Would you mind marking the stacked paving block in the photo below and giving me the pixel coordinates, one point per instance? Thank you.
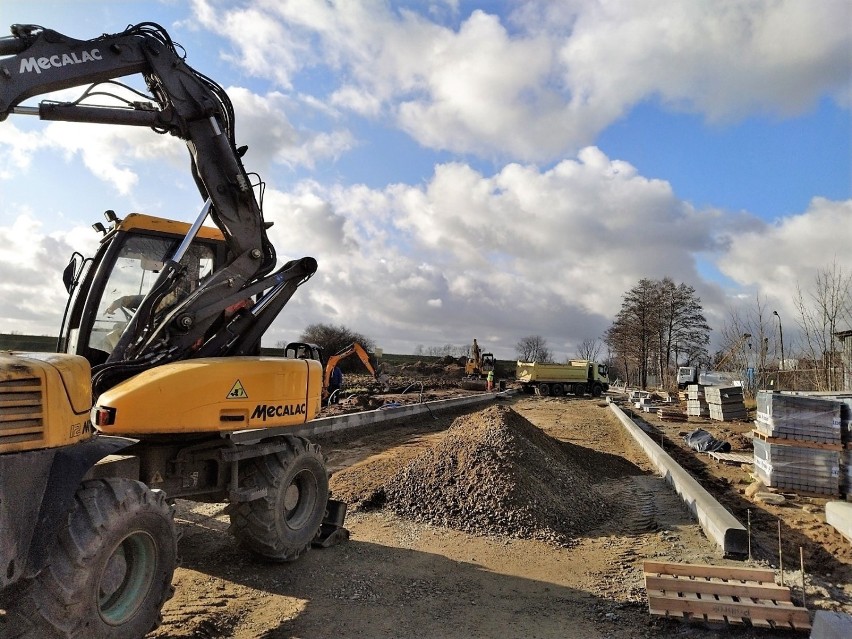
(805, 418)
(725, 403)
(696, 404)
(797, 442)
(797, 468)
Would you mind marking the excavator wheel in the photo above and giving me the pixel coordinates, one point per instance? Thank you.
(282, 523)
(110, 571)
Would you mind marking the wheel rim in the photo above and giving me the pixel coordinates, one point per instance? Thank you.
(299, 500)
(126, 578)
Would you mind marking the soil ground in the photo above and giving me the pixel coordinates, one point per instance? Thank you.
(407, 575)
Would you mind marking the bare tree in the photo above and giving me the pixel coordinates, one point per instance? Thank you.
(657, 318)
(533, 348)
(590, 349)
(747, 356)
(683, 327)
(820, 310)
(635, 328)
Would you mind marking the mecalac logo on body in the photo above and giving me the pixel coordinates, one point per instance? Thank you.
(28, 65)
(264, 411)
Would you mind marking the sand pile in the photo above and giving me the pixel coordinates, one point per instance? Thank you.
(493, 472)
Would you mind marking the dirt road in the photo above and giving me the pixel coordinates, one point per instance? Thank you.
(399, 578)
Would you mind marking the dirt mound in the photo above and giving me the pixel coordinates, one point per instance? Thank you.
(493, 472)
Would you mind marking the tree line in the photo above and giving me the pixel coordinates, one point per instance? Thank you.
(661, 325)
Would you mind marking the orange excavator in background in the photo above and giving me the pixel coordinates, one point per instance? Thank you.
(301, 350)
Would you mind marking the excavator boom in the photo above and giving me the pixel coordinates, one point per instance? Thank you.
(192, 107)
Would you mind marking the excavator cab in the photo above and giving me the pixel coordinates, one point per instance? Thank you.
(107, 290)
(302, 350)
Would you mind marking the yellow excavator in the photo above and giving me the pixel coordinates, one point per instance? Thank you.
(476, 368)
(157, 390)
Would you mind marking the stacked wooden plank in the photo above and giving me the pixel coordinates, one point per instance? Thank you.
(696, 405)
(672, 415)
(722, 594)
(797, 443)
(725, 403)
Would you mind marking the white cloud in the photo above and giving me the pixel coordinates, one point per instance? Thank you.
(546, 80)
(18, 149)
(724, 61)
(521, 252)
(791, 250)
(262, 124)
(31, 262)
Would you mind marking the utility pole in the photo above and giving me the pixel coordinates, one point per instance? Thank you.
(781, 335)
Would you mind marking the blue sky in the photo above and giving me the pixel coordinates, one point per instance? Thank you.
(475, 169)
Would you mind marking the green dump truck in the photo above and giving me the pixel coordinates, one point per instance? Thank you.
(578, 376)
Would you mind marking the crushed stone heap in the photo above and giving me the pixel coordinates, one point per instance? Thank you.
(494, 472)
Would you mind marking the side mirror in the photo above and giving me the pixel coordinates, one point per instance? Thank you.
(69, 275)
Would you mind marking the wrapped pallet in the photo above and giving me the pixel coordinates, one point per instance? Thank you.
(799, 417)
(797, 468)
(696, 405)
(725, 403)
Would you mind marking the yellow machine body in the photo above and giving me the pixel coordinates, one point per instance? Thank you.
(212, 394)
(44, 400)
(143, 222)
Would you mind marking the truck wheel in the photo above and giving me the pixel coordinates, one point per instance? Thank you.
(281, 524)
(543, 390)
(597, 390)
(111, 569)
(556, 390)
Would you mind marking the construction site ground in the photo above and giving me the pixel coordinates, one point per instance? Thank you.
(564, 559)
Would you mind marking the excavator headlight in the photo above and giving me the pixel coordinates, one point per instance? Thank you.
(103, 416)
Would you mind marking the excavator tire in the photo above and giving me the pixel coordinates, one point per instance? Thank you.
(110, 571)
(281, 524)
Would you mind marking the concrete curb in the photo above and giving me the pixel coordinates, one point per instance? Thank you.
(718, 524)
(325, 425)
(839, 515)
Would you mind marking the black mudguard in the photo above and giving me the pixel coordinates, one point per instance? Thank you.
(36, 491)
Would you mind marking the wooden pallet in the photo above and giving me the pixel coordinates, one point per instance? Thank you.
(801, 443)
(722, 594)
(732, 458)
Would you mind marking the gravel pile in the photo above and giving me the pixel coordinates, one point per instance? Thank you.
(496, 473)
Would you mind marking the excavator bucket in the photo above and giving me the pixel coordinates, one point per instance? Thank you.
(331, 531)
(474, 384)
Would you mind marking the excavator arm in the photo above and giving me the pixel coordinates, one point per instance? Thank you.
(192, 107)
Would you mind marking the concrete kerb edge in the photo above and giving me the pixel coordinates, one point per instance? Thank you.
(717, 522)
(364, 419)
